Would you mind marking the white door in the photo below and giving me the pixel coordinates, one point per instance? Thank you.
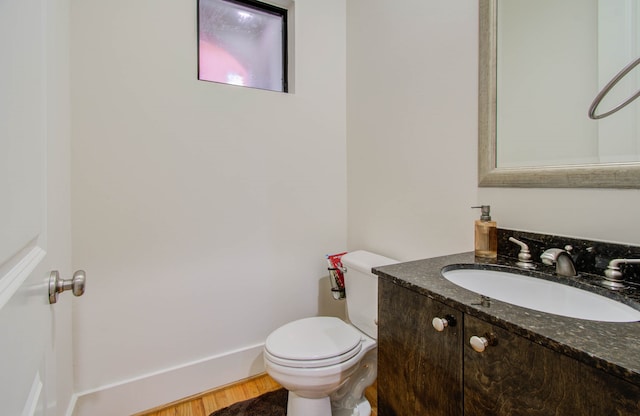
(34, 225)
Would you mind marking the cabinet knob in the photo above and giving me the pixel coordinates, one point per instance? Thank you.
(441, 323)
(478, 343)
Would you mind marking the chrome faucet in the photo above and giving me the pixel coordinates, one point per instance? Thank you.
(562, 259)
(613, 276)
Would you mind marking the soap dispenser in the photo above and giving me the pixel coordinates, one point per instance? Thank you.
(486, 238)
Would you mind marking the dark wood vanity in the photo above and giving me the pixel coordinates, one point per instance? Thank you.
(419, 369)
(537, 363)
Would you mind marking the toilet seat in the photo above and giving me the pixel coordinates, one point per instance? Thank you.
(312, 363)
(313, 342)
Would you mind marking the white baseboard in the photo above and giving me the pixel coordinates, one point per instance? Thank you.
(151, 390)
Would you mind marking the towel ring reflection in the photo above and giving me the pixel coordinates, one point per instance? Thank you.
(607, 88)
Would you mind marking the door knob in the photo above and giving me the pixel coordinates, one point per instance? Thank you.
(57, 285)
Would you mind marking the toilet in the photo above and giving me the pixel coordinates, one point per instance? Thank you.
(325, 362)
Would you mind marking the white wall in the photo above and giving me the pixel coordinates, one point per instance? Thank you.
(412, 141)
(412, 116)
(194, 223)
(595, 214)
(201, 211)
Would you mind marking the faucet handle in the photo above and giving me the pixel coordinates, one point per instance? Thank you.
(524, 256)
(614, 278)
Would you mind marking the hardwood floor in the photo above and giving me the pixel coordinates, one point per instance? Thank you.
(204, 404)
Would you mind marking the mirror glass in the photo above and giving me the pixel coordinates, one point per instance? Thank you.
(542, 63)
(552, 59)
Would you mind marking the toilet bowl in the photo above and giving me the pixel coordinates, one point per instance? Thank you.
(324, 362)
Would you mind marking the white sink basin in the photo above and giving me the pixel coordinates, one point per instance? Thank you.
(542, 295)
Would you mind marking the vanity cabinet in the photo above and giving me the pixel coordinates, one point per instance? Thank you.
(420, 369)
(425, 372)
(519, 377)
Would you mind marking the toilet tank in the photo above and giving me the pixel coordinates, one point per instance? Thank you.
(362, 289)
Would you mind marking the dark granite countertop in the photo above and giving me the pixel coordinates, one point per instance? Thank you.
(612, 347)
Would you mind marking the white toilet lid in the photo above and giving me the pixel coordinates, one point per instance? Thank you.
(318, 340)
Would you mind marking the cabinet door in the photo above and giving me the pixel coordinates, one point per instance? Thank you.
(420, 369)
(518, 377)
